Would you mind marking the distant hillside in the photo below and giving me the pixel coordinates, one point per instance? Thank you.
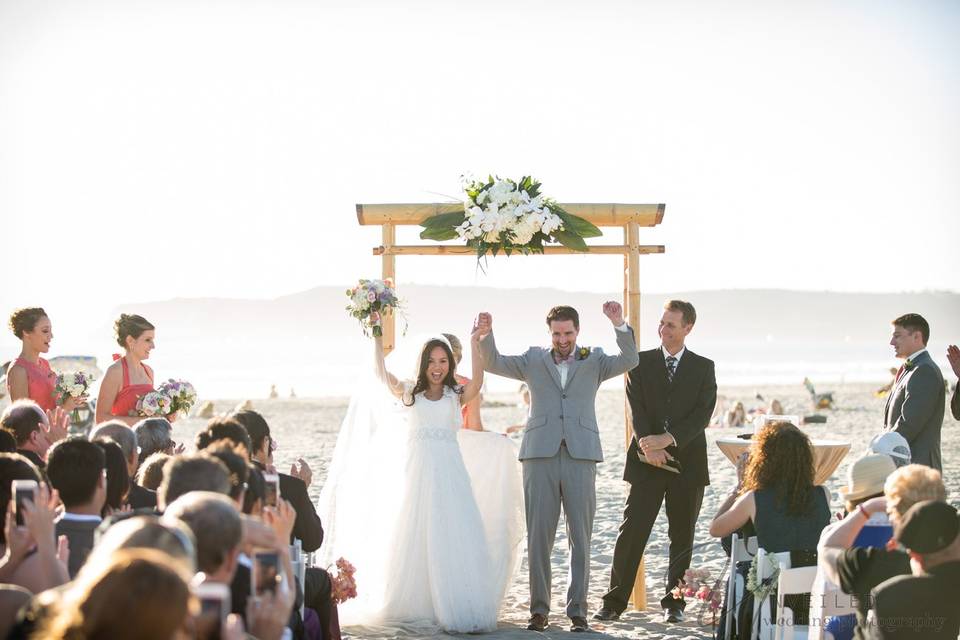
(306, 340)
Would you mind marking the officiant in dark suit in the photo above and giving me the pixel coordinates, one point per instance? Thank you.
(671, 394)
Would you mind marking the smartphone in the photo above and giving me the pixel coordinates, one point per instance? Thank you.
(22, 490)
(265, 575)
(214, 609)
(272, 495)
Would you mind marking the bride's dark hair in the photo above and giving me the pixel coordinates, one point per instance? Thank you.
(424, 360)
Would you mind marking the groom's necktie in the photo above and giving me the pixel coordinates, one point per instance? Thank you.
(671, 363)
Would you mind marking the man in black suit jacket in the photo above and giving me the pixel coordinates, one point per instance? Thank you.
(915, 405)
(671, 393)
(293, 488)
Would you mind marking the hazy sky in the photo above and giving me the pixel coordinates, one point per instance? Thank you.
(151, 150)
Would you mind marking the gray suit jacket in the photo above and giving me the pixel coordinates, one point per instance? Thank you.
(915, 409)
(561, 414)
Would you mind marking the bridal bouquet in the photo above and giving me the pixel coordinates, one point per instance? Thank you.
(154, 404)
(72, 385)
(370, 300)
(502, 214)
(181, 393)
(343, 586)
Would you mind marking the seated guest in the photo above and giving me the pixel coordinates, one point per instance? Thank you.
(891, 443)
(76, 469)
(32, 429)
(150, 473)
(859, 569)
(197, 472)
(236, 465)
(865, 480)
(118, 482)
(119, 432)
(153, 436)
(139, 595)
(224, 429)
(29, 555)
(218, 530)
(138, 532)
(777, 493)
(216, 526)
(293, 488)
(778, 496)
(923, 604)
(256, 492)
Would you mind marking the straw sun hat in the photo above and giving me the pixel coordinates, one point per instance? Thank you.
(866, 476)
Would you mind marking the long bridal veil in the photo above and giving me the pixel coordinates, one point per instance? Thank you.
(368, 481)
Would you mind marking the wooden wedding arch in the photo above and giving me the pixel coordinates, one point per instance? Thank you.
(629, 217)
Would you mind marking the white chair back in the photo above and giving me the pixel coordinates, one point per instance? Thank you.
(741, 550)
(791, 581)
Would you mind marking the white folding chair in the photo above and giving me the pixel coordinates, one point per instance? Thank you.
(791, 581)
(767, 563)
(741, 550)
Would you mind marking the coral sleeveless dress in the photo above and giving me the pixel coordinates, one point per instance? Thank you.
(41, 382)
(125, 404)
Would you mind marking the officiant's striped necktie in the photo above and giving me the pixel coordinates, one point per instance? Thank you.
(671, 368)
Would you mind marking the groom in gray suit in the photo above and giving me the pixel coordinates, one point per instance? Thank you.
(561, 445)
(915, 405)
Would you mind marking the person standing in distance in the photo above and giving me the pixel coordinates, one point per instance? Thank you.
(671, 393)
(561, 445)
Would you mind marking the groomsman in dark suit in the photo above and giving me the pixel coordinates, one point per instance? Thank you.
(671, 394)
(915, 404)
(953, 355)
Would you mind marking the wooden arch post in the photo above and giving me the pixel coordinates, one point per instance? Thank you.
(629, 217)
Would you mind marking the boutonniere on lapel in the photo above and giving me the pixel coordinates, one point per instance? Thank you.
(908, 364)
(582, 353)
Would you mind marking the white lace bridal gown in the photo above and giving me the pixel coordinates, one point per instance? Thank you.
(436, 545)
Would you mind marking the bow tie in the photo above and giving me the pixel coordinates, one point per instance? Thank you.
(558, 359)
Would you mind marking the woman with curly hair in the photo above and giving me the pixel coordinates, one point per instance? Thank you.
(775, 491)
(30, 376)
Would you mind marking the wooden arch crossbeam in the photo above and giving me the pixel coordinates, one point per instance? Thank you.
(630, 217)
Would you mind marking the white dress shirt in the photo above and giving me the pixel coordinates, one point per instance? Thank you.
(564, 367)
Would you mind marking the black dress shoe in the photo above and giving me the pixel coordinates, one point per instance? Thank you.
(673, 615)
(537, 622)
(606, 614)
(578, 624)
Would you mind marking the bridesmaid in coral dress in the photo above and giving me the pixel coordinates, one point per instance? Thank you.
(128, 379)
(29, 375)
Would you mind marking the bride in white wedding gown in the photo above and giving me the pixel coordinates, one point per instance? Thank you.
(432, 520)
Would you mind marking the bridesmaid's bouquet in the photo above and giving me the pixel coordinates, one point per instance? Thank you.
(155, 404)
(343, 586)
(370, 300)
(72, 385)
(181, 393)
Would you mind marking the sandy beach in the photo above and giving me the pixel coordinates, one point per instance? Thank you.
(308, 428)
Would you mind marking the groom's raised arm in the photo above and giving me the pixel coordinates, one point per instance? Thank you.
(507, 366)
(628, 357)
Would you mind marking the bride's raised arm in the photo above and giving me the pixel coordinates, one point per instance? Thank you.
(472, 389)
(391, 381)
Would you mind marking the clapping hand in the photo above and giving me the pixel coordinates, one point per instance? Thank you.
(614, 311)
(59, 424)
(300, 469)
(953, 355)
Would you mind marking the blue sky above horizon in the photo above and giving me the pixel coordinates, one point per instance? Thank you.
(154, 150)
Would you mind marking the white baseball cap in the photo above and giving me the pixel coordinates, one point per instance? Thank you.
(892, 444)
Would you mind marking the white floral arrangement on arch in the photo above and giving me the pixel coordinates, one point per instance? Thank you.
(500, 214)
